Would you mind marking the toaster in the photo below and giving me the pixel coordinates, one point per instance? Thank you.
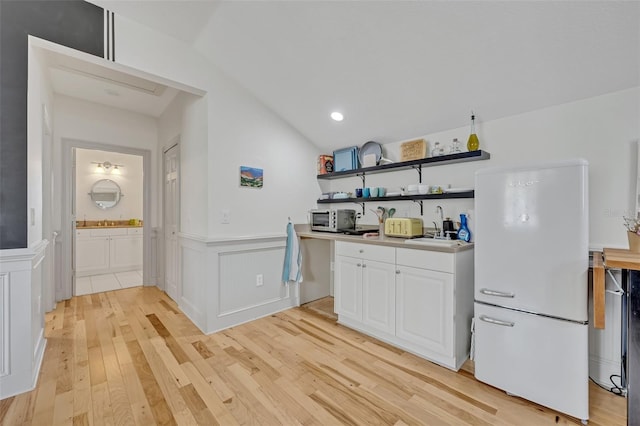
(406, 227)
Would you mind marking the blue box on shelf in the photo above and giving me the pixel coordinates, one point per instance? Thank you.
(345, 159)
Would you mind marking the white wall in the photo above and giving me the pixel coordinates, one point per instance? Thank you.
(86, 121)
(129, 178)
(602, 130)
(240, 131)
(39, 96)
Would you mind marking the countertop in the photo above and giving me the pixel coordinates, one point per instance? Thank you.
(106, 227)
(304, 231)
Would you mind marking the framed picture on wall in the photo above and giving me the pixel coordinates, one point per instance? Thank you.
(251, 177)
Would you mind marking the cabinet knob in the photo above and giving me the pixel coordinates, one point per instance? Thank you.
(361, 251)
(397, 271)
(358, 265)
(364, 265)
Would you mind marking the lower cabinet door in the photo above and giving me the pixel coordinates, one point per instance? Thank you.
(126, 251)
(92, 255)
(348, 287)
(424, 301)
(379, 295)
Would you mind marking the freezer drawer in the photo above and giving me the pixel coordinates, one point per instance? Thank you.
(537, 358)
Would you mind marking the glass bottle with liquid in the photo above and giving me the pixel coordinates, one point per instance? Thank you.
(437, 150)
(473, 143)
(455, 146)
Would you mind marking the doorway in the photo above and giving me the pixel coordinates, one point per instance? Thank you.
(114, 245)
(108, 239)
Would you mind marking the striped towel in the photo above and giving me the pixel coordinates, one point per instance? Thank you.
(292, 270)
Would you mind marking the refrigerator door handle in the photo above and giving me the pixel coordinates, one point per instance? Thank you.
(496, 321)
(496, 293)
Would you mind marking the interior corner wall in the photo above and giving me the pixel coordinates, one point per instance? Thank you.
(72, 23)
(186, 117)
(40, 96)
(240, 131)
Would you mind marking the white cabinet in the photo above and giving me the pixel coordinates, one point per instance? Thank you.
(425, 308)
(364, 284)
(101, 251)
(348, 287)
(418, 300)
(92, 254)
(378, 295)
(125, 252)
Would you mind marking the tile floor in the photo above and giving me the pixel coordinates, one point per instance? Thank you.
(107, 282)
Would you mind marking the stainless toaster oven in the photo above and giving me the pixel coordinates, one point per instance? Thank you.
(333, 220)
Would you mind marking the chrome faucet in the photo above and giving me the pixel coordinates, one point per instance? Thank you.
(441, 232)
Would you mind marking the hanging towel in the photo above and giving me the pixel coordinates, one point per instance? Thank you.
(292, 270)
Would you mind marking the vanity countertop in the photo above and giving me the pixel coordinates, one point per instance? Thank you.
(100, 224)
(78, 227)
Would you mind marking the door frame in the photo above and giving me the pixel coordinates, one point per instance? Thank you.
(68, 221)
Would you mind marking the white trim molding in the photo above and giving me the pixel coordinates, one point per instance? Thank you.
(22, 341)
(4, 325)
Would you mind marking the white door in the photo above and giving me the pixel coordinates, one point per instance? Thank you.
(348, 287)
(425, 308)
(171, 204)
(379, 295)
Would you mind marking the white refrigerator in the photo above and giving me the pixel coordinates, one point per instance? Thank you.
(531, 267)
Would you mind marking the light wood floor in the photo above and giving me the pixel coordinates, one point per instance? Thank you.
(130, 357)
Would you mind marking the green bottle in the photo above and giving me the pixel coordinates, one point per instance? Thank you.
(473, 143)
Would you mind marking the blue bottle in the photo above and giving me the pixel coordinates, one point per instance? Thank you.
(463, 233)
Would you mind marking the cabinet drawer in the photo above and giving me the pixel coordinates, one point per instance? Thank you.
(83, 233)
(425, 259)
(108, 231)
(366, 251)
(134, 231)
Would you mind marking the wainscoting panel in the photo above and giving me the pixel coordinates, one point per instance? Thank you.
(249, 278)
(191, 280)
(218, 280)
(5, 313)
(22, 340)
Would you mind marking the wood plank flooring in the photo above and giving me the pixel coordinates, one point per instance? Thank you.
(130, 357)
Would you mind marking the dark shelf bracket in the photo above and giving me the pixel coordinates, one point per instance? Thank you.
(421, 207)
(418, 168)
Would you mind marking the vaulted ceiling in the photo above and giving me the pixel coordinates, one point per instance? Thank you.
(401, 69)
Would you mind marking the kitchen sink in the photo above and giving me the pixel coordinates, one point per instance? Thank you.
(434, 242)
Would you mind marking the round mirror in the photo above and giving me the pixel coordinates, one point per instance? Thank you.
(105, 193)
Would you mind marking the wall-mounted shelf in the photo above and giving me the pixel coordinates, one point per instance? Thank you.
(445, 195)
(415, 198)
(417, 165)
(414, 164)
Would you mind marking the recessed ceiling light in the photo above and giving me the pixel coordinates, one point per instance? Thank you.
(111, 92)
(337, 116)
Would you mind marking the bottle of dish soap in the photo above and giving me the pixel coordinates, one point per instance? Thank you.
(463, 233)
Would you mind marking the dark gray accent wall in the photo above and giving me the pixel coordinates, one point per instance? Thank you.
(72, 23)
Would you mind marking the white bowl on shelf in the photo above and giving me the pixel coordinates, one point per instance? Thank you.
(423, 189)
